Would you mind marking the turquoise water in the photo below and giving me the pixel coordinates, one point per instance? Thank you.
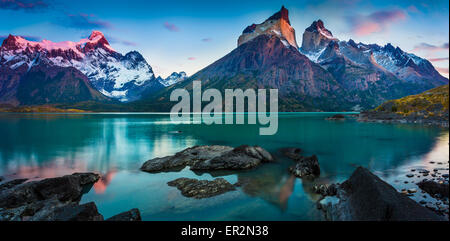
(115, 145)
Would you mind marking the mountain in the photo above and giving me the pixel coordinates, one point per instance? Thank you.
(369, 72)
(324, 74)
(26, 78)
(121, 77)
(429, 107)
(267, 56)
(172, 79)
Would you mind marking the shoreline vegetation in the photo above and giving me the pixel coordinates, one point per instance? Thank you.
(40, 109)
(428, 108)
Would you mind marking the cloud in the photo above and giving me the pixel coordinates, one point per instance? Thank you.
(430, 47)
(438, 59)
(22, 4)
(86, 21)
(375, 22)
(114, 40)
(413, 9)
(206, 39)
(442, 70)
(191, 58)
(128, 43)
(171, 27)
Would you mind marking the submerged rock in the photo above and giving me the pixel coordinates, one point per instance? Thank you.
(306, 167)
(131, 215)
(201, 188)
(212, 157)
(365, 197)
(336, 117)
(292, 152)
(434, 188)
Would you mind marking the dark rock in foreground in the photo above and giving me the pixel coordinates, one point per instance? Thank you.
(306, 167)
(365, 197)
(131, 215)
(11, 184)
(209, 158)
(52, 199)
(65, 189)
(326, 190)
(201, 188)
(69, 212)
(336, 117)
(438, 190)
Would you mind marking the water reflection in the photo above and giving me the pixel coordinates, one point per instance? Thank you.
(41, 146)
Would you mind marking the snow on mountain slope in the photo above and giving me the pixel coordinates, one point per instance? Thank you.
(123, 77)
(389, 59)
(173, 78)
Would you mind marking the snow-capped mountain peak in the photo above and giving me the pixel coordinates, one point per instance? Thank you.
(118, 76)
(173, 78)
(96, 40)
(320, 46)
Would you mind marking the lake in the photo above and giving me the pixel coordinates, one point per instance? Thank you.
(39, 146)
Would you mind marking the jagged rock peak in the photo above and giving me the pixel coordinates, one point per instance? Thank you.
(282, 14)
(96, 34)
(318, 26)
(276, 25)
(316, 37)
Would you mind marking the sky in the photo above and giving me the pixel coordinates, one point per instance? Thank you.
(188, 35)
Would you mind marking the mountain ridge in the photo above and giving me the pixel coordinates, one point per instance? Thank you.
(324, 74)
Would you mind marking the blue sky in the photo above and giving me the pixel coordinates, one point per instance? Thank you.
(183, 35)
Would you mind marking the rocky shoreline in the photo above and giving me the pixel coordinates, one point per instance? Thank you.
(53, 199)
(365, 197)
(389, 117)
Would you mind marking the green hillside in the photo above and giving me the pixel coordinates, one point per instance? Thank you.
(431, 103)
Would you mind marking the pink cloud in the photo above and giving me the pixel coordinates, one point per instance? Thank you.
(443, 71)
(207, 40)
(86, 21)
(171, 27)
(413, 9)
(128, 43)
(375, 22)
(191, 58)
(367, 28)
(438, 59)
(22, 4)
(430, 47)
